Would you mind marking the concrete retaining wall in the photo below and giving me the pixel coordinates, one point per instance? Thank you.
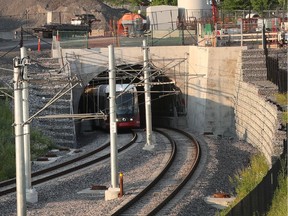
(211, 89)
(255, 118)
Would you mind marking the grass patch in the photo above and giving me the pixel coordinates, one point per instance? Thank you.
(7, 148)
(246, 179)
(282, 101)
(285, 117)
(279, 202)
(38, 146)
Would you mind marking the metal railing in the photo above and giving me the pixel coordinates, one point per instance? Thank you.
(277, 69)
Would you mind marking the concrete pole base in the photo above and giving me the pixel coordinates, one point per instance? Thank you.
(31, 196)
(149, 147)
(111, 193)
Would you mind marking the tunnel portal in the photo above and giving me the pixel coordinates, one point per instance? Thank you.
(167, 100)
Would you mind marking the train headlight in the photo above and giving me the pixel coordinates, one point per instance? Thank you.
(117, 120)
(124, 119)
(131, 119)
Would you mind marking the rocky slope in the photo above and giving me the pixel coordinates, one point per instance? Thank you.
(33, 13)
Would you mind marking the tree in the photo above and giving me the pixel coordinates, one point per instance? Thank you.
(283, 4)
(256, 5)
(259, 5)
(235, 5)
(164, 2)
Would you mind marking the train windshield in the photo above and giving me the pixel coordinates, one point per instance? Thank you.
(124, 104)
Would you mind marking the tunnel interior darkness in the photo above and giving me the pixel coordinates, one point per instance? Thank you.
(167, 99)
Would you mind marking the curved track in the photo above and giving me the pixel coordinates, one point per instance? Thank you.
(183, 161)
(50, 173)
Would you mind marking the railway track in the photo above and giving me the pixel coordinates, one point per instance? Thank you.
(183, 160)
(67, 167)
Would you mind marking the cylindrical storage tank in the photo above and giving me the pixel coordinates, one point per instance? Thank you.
(189, 9)
(49, 17)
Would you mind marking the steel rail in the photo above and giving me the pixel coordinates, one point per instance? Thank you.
(186, 179)
(155, 181)
(70, 170)
(167, 166)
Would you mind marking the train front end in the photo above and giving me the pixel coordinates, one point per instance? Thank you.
(127, 107)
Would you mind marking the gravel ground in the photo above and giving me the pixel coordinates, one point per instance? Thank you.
(222, 158)
(90, 142)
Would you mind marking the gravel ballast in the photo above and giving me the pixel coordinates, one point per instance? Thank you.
(221, 159)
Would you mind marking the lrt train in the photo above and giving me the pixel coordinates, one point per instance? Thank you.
(96, 100)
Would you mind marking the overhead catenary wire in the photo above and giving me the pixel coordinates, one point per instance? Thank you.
(6, 69)
(6, 94)
(161, 71)
(139, 72)
(53, 100)
(9, 51)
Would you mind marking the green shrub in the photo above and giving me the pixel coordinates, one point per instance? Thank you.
(39, 143)
(248, 178)
(7, 165)
(279, 202)
(285, 117)
(7, 148)
(282, 101)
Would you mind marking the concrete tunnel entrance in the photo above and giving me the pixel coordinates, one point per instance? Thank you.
(167, 101)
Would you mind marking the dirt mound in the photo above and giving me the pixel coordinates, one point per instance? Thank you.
(33, 13)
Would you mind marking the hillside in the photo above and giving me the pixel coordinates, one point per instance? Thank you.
(32, 13)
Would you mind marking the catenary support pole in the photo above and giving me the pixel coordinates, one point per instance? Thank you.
(112, 192)
(112, 110)
(148, 145)
(19, 148)
(113, 127)
(31, 194)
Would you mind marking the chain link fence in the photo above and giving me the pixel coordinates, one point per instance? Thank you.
(165, 28)
(72, 39)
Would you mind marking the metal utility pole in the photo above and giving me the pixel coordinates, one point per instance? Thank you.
(241, 31)
(19, 142)
(148, 145)
(31, 194)
(264, 43)
(113, 191)
(113, 126)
